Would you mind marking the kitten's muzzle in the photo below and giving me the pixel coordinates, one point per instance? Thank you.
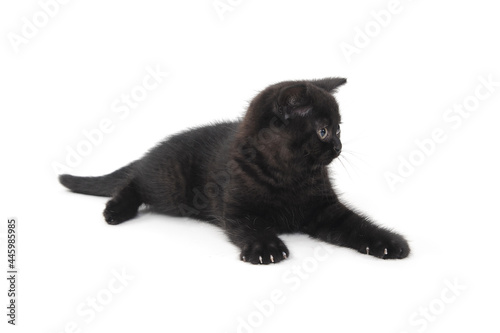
(337, 148)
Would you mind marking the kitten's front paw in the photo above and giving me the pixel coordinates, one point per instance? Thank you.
(266, 251)
(386, 246)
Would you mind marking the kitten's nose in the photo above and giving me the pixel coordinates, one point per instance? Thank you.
(337, 148)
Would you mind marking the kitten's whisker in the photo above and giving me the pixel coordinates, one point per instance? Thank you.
(340, 160)
(354, 163)
(353, 166)
(355, 152)
(359, 157)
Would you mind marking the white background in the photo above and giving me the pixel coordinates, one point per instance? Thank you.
(186, 275)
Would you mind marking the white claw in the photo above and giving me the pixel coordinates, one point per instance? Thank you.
(367, 250)
(260, 259)
(243, 258)
(385, 252)
(271, 257)
(284, 255)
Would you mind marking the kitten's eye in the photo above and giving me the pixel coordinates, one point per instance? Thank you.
(323, 133)
(338, 131)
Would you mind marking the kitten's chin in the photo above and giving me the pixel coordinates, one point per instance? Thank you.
(324, 162)
(327, 158)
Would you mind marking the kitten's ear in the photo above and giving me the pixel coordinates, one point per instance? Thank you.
(330, 84)
(294, 101)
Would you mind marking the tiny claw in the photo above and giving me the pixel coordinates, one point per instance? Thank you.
(284, 255)
(272, 258)
(367, 250)
(385, 252)
(243, 258)
(260, 259)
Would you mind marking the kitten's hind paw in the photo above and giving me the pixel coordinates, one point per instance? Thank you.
(123, 206)
(118, 211)
(269, 251)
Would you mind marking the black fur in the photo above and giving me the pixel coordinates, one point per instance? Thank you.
(256, 178)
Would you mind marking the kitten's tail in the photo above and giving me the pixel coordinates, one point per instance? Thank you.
(105, 186)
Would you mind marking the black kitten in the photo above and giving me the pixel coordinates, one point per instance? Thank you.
(256, 178)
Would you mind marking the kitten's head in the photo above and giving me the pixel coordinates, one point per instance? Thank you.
(309, 119)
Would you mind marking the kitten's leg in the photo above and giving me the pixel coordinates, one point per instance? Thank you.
(258, 243)
(123, 206)
(339, 225)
